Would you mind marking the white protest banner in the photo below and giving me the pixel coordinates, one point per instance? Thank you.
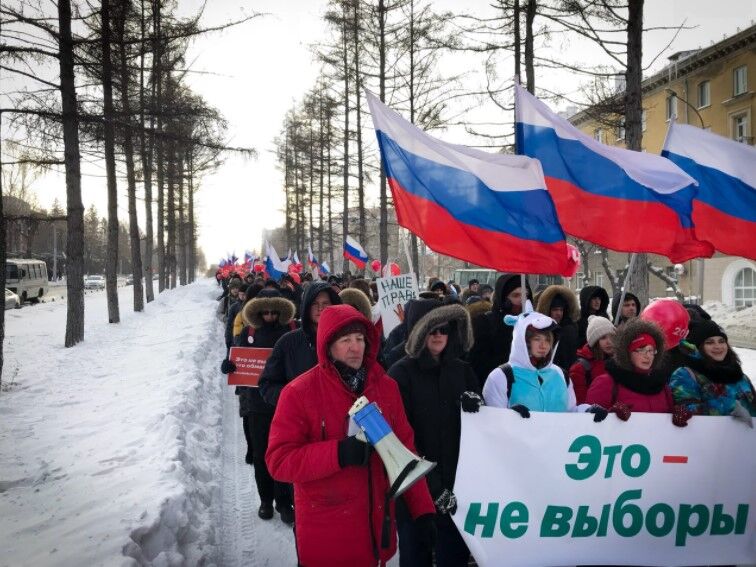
(393, 293)
(559, 489)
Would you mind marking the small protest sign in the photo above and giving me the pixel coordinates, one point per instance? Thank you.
(393, 294)
(249, 365)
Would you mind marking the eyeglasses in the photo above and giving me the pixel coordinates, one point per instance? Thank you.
(321, 306)
(268, 313)
(647, 351)
(443, 330)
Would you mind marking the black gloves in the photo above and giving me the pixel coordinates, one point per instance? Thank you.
(470, 402)
(426, 530)
(353, 452)
(227, 367)
(446, 503)
(599, 413)
(522, 410)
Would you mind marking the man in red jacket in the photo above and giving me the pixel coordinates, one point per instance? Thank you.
(339, 482)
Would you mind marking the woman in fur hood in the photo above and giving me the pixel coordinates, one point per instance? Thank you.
(561, 304)
(434, 382)
(635, 379)
(267, 318)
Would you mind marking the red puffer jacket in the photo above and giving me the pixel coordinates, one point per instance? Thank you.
(578, 377)
(339, 512)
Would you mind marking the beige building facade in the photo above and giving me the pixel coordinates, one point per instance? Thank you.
(715, 88)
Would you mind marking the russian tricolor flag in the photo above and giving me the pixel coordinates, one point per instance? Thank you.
(724, 210)
(275, 267)
(489, 209)
(621, 199)
(354, 253)
(312, 261)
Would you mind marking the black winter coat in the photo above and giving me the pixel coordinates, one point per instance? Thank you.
(294, 352)
(233, 310)
(586, 294)
(250, 400)
(493, 339)
(431, 393)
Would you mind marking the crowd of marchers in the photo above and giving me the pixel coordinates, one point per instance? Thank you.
(454, 351)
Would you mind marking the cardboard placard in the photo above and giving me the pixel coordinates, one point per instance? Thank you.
(249, 365)
(393, 293)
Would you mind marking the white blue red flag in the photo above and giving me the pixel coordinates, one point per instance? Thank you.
(724, 209)
(489, 209)
(354, 253)
(275, 267)
(325, 269)
(621, 199)
(312, 261)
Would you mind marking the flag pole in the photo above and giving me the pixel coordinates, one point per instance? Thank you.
(630, 265)
(523, 283)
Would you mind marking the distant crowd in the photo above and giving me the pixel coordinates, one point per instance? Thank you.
(455, 350)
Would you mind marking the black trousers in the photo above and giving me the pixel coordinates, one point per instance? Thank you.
(451, 550)
(256, 431)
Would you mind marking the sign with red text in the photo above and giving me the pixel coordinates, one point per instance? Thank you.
(559, 489)
(249, 365)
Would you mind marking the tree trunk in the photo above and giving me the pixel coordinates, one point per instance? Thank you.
(413, 236)
(383, 222)
(330, 198)
(128, 150)
(3, 253)
(111, 264)
(74, 204)
(181, 221)
(170, 247)
(530, 12)
(192, 229)
(157, 82)
(517, 41)
(146, 154)
(637, 280)
(345, 219)
(321, 174)
(358, 109)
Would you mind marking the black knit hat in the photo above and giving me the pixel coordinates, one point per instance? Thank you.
(704, 329)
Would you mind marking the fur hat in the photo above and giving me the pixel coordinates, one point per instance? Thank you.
(564, 297)
(455, 314)
(598, 327)
(357, 299)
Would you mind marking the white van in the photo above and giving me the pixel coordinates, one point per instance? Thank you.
(26, 278)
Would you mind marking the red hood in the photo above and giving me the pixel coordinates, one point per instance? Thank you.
(585, 352)
(334, 318)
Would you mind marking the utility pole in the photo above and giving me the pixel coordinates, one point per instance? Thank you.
(55, 253)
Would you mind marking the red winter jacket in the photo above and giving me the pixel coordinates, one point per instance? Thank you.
(577, 372)
(335, 509)
(601, 391)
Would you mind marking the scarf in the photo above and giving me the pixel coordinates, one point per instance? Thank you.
(354, 379)
(726, 372)
(646, 384)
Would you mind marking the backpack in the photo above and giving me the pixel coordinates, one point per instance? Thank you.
(586, 364)
(506, 368)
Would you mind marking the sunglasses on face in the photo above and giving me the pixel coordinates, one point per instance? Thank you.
(443, 330)
(269, 313)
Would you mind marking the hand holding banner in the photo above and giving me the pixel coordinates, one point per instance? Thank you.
(558, 489)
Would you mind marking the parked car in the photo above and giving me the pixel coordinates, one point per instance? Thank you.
(27, 278)
(12, 301)
(94, 282)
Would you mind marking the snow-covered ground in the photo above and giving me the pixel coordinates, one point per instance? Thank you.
(740, 325)
(128, 449)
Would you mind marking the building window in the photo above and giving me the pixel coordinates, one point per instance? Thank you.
(671, 107)
(739, 80)
(598, 135)
(745, 288)
(621, 129)
(600, 280)
(740, 128)
(704, 98)
(643, 120)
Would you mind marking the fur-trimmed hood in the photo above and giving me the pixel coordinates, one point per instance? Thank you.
(357, 299)
(479, 308)
(252, 309)
(461, 337)
(627, 334)
(547, 296)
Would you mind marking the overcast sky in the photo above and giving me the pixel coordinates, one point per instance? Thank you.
(260, 69)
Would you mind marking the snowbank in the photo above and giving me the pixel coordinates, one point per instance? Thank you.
(111, 448)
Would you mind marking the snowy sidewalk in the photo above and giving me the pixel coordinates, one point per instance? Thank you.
(113, 446)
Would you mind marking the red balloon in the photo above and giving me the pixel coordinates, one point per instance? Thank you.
(375, 265)
(259, 267)
(672, 317)
(295, 276)
(395, 269)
